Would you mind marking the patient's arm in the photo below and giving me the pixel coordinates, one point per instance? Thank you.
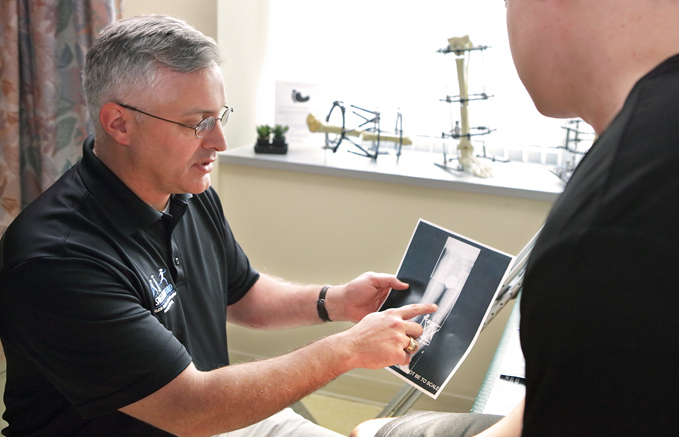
(510, 426)
(370, 428)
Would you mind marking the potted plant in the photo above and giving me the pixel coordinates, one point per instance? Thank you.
(263, 135)
(264, 145)
(279, 135)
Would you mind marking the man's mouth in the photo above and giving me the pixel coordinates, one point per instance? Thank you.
(205, 166)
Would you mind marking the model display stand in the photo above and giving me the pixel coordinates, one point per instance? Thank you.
(462, 47)
(336, 132)
(574, 136)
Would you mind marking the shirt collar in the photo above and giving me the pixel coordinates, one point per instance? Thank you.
(125, 208)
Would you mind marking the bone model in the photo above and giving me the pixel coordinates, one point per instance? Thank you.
(316, 125)
(461, 46)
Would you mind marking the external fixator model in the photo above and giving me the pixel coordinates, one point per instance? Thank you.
(336, 131)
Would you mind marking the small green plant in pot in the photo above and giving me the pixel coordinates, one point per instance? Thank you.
(263, 135)
(279, 135)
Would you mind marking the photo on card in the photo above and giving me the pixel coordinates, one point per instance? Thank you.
(463, 278)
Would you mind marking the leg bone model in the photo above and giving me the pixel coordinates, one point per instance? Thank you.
(465, 148)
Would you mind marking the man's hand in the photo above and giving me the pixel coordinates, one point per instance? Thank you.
(202, 403)
(380, 339)
(360, 297)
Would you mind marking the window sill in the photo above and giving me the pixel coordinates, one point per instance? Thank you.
(515, 179)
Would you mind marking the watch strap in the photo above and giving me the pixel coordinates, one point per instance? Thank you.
(320, 305)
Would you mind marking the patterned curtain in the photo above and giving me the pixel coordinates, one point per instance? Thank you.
(43, 116)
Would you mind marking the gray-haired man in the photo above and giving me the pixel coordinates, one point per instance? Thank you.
(114, 285)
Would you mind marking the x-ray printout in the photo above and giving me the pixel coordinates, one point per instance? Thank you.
(462, 277)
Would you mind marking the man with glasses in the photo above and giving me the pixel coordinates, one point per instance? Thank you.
(115, 283)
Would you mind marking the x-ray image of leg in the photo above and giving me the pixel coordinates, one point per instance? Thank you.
(444, 287)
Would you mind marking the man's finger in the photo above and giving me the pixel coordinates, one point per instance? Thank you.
(414, 330)
(407, 312)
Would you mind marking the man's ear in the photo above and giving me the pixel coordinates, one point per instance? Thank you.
(117, 122)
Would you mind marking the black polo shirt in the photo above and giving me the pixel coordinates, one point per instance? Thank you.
(104, 300)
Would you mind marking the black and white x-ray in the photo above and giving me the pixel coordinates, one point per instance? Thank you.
(462, 277)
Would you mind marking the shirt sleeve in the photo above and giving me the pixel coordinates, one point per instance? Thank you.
(84, 328)
(241, 274)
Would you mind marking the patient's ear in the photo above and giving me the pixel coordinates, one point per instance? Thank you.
(117, 122)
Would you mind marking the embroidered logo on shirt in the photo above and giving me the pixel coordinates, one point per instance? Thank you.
(163, 292)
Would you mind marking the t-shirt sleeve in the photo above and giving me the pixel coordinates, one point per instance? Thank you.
(241, 274)
(89, 334)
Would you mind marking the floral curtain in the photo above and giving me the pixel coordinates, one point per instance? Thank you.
(43, 116)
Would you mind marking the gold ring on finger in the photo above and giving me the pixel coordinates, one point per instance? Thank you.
(412, 346)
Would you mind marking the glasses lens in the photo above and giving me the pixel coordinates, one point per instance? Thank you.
(205, 127)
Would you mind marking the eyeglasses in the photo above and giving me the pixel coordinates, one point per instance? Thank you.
(201, 129)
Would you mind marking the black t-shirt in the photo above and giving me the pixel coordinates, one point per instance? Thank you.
(600, 305)
(104, 300)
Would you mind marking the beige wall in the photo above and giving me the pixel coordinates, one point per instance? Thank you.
(242, 34)
(201, 14)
